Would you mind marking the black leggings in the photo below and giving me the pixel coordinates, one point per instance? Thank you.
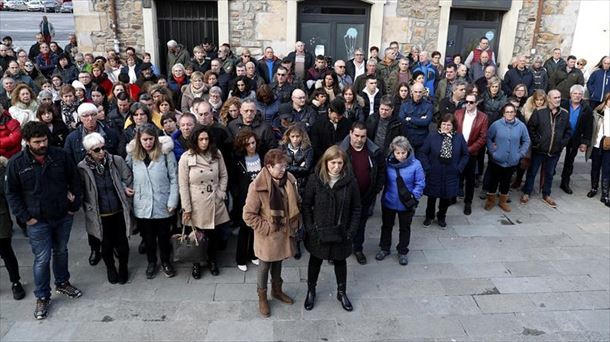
(153, 231)
(115, 237)
(10, 260)
(313, 270)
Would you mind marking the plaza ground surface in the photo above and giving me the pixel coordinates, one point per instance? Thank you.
(533, 274)
(23, 26)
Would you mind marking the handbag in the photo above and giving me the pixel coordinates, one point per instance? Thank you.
(189, 248)
(404, 195)
(333, 233)
(606, 144)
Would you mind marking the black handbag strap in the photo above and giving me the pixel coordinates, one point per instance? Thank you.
(342, 204)
(403, 181)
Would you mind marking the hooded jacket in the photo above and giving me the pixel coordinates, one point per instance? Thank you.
(508, 142)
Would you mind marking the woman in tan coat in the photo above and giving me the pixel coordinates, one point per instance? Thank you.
(272, 210)
(202, 178)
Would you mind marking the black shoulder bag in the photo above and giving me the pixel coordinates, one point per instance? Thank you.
(404, 195)
(333, 233)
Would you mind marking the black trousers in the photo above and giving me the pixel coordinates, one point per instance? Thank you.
(443, 205)
(114, 237)
(499, 176)
(568, 164)
(245, 245)
(10, 260)
(596, 167)
(364, 217)
(468, 177)
(94, 243)
(404, 233)
(313, 270)
(156, 231)
(481, 161)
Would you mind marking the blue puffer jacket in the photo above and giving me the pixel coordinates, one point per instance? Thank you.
(508, 142)
(442, 179)
(178, 148)
(599, 84)
(429, 71)
(421, 117)
(413, 175)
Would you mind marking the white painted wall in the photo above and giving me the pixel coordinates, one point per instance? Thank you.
(592, 36)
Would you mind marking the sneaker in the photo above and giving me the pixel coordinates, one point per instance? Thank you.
(42, 308)
(382, 254)
(18, 291)
(549, 201)
(427, 222)
(403, 260)
(255, 262)
(360, 257)
(242, 268)
(69, 290)
(168, 269)
(151, 270)
(525, 198)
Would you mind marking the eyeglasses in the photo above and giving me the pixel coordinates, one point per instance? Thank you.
(580, 64)
(29, 65)
(281, 74)
(471, 102)
(97, 149)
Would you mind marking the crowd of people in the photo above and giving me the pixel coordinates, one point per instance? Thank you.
(282, 152)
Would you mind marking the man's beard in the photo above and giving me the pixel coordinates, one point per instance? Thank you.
(41, 151)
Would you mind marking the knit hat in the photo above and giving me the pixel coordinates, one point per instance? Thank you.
(78, 85)
(86, 108)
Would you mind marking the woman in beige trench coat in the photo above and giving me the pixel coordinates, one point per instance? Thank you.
(272, 210)
(202, 178)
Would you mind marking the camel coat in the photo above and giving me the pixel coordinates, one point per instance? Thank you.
(203, 189)
(272, 246)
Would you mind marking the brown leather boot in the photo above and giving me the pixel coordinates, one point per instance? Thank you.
(504, 203)
(263, 304)
(277, 293)
(490, 202)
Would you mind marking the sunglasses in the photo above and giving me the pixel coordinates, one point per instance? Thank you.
(471, 102)
(97, 149)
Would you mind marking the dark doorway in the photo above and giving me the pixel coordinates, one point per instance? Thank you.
(467, 26)
(188, 22)
(334, 28)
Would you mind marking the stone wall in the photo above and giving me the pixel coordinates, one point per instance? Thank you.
(557, 26)
(412, 23)
(257, 24)
(92, 23)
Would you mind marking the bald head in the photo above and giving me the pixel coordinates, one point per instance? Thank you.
(298, 98)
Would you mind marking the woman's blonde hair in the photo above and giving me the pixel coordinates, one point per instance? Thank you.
(139, 153)
(296, 128)
(530, 104)
(18, 89)
(331, 153)
(224, 111)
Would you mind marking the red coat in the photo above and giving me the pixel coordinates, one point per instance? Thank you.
(10, 136)
(478, 132)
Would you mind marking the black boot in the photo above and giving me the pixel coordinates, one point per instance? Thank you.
(113, 276)
(605, 199)
(310, 299)
(342, 297)
(298, 253)
(123, 273)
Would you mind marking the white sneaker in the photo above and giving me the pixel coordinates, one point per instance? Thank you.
(242, 268)
(255, 262)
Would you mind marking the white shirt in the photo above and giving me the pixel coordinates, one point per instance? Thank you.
(360, 69)
(467, 125)
(604, 130)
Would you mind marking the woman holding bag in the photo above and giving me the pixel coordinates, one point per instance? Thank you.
(272, 210)
(331, 213)
(401, 163)
(203, 178)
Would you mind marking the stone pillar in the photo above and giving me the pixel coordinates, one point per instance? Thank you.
(151, 41)
(223, 22)
(291, 23)
(507, 37)
(443, 26)
(376, 22)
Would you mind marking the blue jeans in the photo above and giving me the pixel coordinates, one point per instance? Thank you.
(550, 162)
(48, 237)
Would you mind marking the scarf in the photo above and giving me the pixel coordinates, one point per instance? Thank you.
(180, 80)
(97, 167)
(446, 146)
(67, 112)
(196, 93)
(276, 201)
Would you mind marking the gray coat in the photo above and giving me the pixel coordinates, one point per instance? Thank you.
(121, 178)
(155, 185)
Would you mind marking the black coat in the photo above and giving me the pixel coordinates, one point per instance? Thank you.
(59, 134)
(300, 164)
(321, 207)
(324, 135)
(584, 126)
(395, 128)
(544, 139)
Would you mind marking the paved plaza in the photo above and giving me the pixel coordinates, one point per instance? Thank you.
(536, 273)
(23, 26)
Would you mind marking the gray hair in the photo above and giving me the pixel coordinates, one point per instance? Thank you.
(93, 139)
(44, 94)
(401, 143)
(178, 65)
(537, 58)
(372, 61)
(172, 44)
(216, 90)
(459, 83)
(577, 87)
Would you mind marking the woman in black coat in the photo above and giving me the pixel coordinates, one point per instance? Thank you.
(443, 156)
(331, 212)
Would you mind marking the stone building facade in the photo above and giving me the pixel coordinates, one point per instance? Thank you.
(254, 24)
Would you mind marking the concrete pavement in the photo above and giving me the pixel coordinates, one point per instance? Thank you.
(23, 26)
(535, 274)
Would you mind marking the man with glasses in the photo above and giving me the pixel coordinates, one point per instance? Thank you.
(371, 70)
(472, 124)
(4, 57)
(19, 76)
(299, 110)
(549, 129)
(249, 120)
(46, 60)
(357, 65)
(455, 101)
(343, 78)
(281, 88)
(43, 189)
(267, 66)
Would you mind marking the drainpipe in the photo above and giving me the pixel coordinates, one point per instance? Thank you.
(114, 25)
(537, 27)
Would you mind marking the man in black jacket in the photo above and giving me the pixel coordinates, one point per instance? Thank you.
(382, 127)
(328, 132)
(368, 165)
(43, 189)
(550, 132)
(581, 124)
